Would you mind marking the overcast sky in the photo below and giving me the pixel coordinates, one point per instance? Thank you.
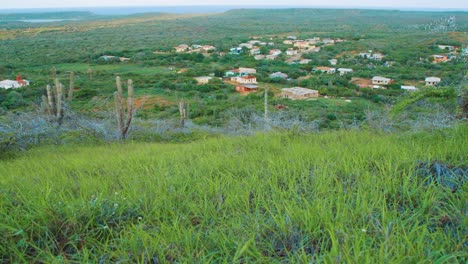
(421, 4)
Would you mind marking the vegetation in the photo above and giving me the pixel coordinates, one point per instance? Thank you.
(345, 196)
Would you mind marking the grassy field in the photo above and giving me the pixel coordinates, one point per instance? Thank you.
(335, 197)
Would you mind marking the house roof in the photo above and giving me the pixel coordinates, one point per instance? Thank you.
(432, 79)
(345, 69)
(380, 78)
(299, 90)
(249, 86)
(248, 77)
(324, 68)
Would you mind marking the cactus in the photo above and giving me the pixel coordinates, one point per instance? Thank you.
(124, 118)
(54, 102)
(183, 111)
(72, 86)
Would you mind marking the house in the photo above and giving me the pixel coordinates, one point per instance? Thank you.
(377, 56)
(203, 79)
(278, 75)
(254, 42)
(298, 93)
(246, 88)
(302, 45)
(259, 57)
(446, 47)
(326, 70)
(314, 49)
(291, 52)
(376, 80)
(313, 41)
(305, 61)
(371, 56)
(409, 88)
(208, 48)
(182, 48)
(247, 45)
(291, 37)
(275, 52)
(270, 57)
(432, 81)
(9, 84)
(440, 58)
(333, 61)
(328, 41)
(122, 59)
(365, 55)
(344, 71)
(235, 51)
(288, 42)
(244, 79)
(255, 51)
(245, 71)
(464, 51)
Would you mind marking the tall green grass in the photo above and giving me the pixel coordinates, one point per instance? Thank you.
(338, 197)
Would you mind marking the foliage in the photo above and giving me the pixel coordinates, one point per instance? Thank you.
(291, 197)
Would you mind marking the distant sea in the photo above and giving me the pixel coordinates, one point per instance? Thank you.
(192, 9)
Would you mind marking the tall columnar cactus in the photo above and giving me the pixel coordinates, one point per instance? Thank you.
(54, 102)
(72, 86)
(124, 116)
(183, 106)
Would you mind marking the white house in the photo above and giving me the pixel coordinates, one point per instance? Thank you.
(446, 47)
(326, 70)
(203, 79)
(259, 57)
(241, 72)
(344, 71)
(255, 51)
(298, 93)
(432, 81)
(333, 61)
(278, 75)
(381, 80)
(247, 45)
(9, 84)
(291, 52)
(235, 51)
(244, 79)
(305, 61)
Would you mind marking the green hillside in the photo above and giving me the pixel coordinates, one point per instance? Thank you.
(337, 197)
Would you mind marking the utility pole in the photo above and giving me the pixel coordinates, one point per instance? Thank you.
(266, 105)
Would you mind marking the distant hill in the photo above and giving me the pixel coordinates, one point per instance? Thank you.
(47, 15)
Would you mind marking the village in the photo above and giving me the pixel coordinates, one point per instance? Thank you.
(245, 79)
(288, 67)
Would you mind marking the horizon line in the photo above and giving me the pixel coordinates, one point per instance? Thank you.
(400, 8)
